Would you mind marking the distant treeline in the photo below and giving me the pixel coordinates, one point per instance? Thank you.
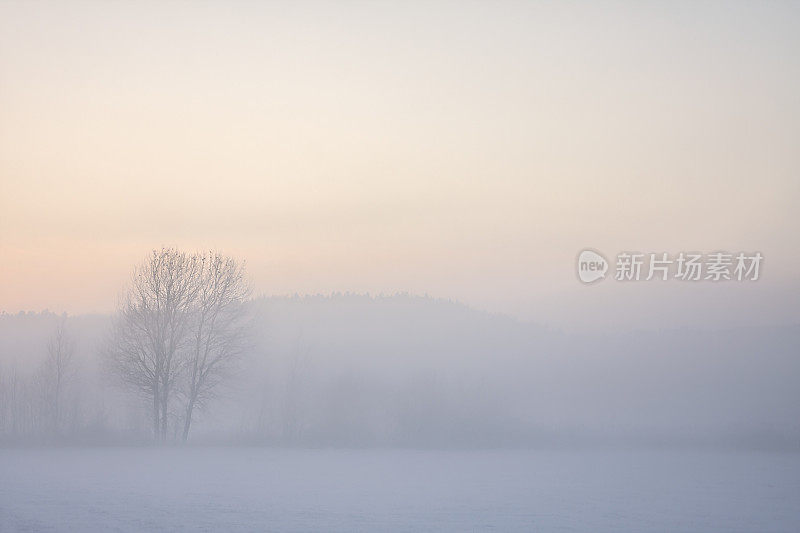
(354, 370)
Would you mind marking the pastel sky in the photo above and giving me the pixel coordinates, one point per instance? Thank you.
(461, 150)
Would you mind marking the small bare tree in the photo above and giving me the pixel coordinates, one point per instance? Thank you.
(4, 402)
(55, 373)
(292, 405)
(220, 330)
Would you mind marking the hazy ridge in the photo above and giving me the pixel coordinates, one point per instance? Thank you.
(354, 370)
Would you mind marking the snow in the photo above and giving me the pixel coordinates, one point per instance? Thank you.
(247, 489)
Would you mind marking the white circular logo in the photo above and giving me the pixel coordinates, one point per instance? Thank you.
(591, 266)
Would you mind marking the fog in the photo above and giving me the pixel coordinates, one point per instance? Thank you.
(311, 266)
(408, 371)
(404, 413)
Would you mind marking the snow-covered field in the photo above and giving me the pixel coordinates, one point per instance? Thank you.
(254, 489)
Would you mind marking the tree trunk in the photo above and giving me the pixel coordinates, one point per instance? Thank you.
(156, 417)
(188, 422)
(164, 401)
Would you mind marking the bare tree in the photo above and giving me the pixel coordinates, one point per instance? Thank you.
(57, 369)
(220, 330)
(4, 403)
(180, 327)
(151, 328)
(292, 408)
(24, 404)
